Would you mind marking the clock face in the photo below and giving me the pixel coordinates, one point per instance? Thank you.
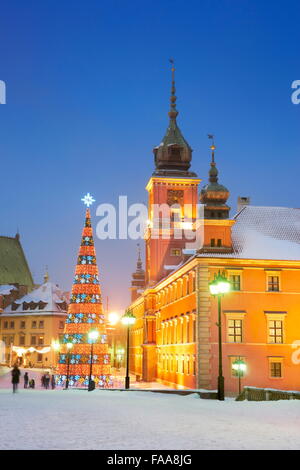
(175, 196)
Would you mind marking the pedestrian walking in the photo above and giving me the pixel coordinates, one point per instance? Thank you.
(26, 380)
(43, 381)
(47, 380)
(15, 377)
(53, 381)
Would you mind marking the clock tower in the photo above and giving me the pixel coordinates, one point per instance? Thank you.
(172, 201)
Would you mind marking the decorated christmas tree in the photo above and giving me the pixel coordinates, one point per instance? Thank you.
(85, 316)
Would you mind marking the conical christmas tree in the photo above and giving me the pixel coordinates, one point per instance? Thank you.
(85, 314)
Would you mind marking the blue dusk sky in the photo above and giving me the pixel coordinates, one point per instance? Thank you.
(88, 87)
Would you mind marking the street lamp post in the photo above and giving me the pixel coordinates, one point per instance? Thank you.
(218, 287)
(69, 347)
(128, 320)
(93, 336)
(55, 347)
(240, 367)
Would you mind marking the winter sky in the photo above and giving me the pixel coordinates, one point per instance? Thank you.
(87, 99)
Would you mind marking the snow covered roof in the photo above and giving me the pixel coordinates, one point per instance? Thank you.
(46, 299)
(6, 289)
(264, 233)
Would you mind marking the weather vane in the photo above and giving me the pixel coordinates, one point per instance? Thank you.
(88, 199)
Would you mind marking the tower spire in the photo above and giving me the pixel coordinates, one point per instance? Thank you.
(173, 113)
(213, 172)
(173, 155)
(139, 264)
(214, 195)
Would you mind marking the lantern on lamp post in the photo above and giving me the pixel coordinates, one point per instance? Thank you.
(128, 319)
(218, 287)
(240, 367)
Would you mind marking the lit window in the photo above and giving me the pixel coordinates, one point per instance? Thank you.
(175, 252)
(235, 330)
(235, 280)
(275, 331)
(273, 283)
(275, 369)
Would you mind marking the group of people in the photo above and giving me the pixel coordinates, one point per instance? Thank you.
(46, 380)
(28, 383)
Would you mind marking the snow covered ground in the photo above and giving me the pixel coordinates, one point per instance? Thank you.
(103, 419)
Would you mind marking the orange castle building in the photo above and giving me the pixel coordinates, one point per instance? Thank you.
(175, 337)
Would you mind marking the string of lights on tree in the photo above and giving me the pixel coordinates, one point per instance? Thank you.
(85, 311)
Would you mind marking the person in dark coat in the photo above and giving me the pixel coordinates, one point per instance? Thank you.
(53, 381)
(26, 379)
(15, 377)
(31, 383)
(46, 380)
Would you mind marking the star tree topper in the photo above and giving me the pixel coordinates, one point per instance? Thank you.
(88, 200)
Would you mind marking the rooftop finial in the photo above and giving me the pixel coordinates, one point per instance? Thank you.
(139, 261)
(173, 113)
(212, 147)
(46, 275)
(213, 172)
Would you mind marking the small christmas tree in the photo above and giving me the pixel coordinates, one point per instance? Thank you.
(85, 313)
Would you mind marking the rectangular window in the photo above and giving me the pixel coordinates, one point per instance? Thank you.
(22, 324)
(5, 325)
(275, 369)
(273, 283)
(22, 340)
(194, 330)
(12, 325)
(275, 331)
(40, 357)
(212, 242)
(33, 324)
(235, 330)
(4, 339)
(41, 340)
(33, 341)
(187, 328)
(235, 280)
(219, 242)
(41, 324)
(175, 252)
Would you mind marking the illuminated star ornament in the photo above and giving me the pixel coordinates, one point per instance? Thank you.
(88, 199)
